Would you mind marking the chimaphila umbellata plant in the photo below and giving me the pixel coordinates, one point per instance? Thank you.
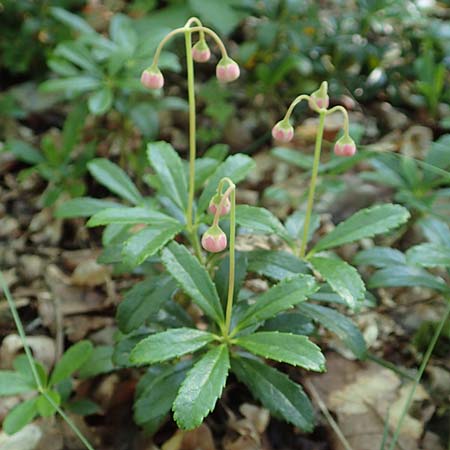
(235, 328)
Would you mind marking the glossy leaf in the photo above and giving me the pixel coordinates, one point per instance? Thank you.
(169, 344)
(260, 220)
(289, 322)
(148, 241)
(169, 169)
(202, 388)
(236, 167)
(343, 327)
(365, 223)
(276, 391)
(275, 264)
(283, 296)
(284, 347)
(342, 277)
(193, 279)
(380, 257)
(71, 361)
(143, 300)
(115, 179)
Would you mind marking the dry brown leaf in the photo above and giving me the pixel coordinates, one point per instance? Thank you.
(199, 439)
(89, 273)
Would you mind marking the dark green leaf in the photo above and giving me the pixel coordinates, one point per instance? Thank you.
(380, 257)
(72, 84)
(295, 223)
(20, 416)
(284, 347)
(99, 362)
(339, 324)
(71, 361)
(275, 264)
(342, 277)
(83, 207)
(221, 277)
(276, 391)
(24, 151)
(289, 322)
(100, 101)
(77, 54)
(115, 179)
(83, 407)
(429, 255)
(194, 279)
(169, 344)
(202, 388)
(365, 223)
(236, 167)
(260, 220)
(169, 169)
(130, 215)
(284, 295)
(72, 20)
(143, 300)
(148, 241)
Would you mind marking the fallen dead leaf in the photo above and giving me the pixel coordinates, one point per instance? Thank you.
(199, 439)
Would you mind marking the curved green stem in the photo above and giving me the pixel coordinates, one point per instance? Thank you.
(198, 23)
(294, 103)
(30, 358)
(231, 279)
(312, 185)
(344, 112)
(422, 367)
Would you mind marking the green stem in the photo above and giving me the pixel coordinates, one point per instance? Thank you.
(422, 367)
(294, 103)
(229, 308)
(344, 112)
(192, 129)
(312, 185)
(30, 358)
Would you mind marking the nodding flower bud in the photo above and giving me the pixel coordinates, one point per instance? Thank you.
(227, 70)
(214, 240)
(215, 202)
(201, 52)
(283, 131)
(152, 78)
(345, 146)
(319, 99)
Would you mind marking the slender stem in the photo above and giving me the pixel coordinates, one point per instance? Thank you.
(198, 23)
(312, 185)
(344, 112)
(222, 204)
(420, 372)
(294, 103)
(192, 129)
(30, 358)
(229, 307)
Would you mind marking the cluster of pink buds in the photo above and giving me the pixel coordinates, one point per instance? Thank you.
(318, 101)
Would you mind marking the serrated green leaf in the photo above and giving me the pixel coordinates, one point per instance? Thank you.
(295, 223)
(406, 276)
(284, 295)
(20, 415)
(221, 278)
(83, 207)
(169, 169)
(202, 388)
(155, 401)
(100, 101)
(435, 230)
(429, 255)
(71, 361)
(276, 391)
(342, 278)
(129, 215)
(143, 300)
(13, 383)
(169, 344)
(284, 347)
(380, 257)
(261, 220)
(44, 407)
(289, 322)
(99, 362)
(236, 167)
(344, 328)
(275, 264)
(115, 179)
(193, 279)
(148, 241)
(365, 223)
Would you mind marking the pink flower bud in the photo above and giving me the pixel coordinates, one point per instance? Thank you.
(283, 131)
(215, 202)
(201, 52)
(345, 146)
(152, 78)
(319, 99)
(227, 70)
(214, 240)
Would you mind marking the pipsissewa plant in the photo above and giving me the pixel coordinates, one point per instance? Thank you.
(236, 327)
